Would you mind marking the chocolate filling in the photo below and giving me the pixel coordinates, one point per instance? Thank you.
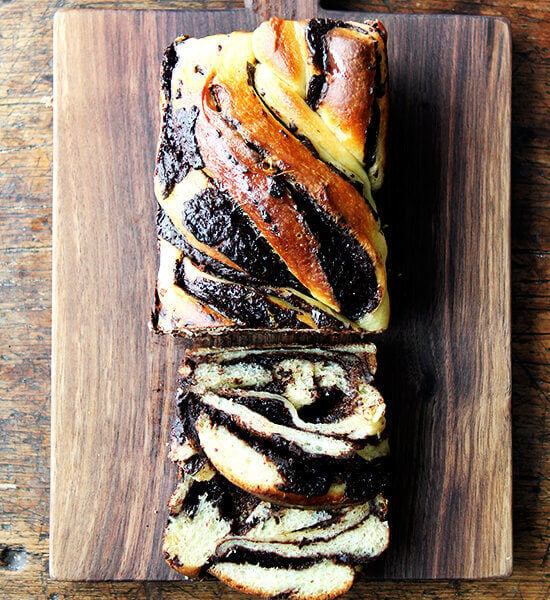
(155, 310)
(178, 149)
(269, 359)
(316, 90)
(277, 386)
(167, 231)
(270, 408)
(169, 60)
(346, 264)
(371, 136)
(316, 30)
(276, 187)
(173, 561)
(244, 305)
(267, 560)
(327, 407)
(380, 30)
(216, 220)
(194, 464)
(305, 474)
(373, 128)
(233, 503)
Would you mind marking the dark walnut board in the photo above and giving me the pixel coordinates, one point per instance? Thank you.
(444, 366)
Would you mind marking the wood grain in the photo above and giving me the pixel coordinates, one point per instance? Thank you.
(25, 307)
(113, 382)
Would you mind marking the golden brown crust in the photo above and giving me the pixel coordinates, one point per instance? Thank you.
(281, 46)
(333, 193)
(283, 228)
(292, 200)
(355, 78)
(349, 59)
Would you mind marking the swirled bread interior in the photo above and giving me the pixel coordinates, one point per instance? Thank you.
(269, 550)
(283, 460)
(271, 146)
(297, 425)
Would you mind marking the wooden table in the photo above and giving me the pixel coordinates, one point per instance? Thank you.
(25, 305)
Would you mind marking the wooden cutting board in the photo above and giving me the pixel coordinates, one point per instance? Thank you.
(444, 364)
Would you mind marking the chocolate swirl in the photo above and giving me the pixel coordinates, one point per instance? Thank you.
(268, 189)
(283, 466)
(294, 426)
(266, 549)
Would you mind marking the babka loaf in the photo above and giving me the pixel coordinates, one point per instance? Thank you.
(269, 550)
(271, 145)
(297, 426)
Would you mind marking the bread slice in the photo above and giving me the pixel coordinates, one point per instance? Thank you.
(321, 581)
(268, 550)
(296, 426)
(271, 145)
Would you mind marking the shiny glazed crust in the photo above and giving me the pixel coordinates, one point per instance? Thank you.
(271, 145)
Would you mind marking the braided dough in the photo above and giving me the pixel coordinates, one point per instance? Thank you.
(271, 145)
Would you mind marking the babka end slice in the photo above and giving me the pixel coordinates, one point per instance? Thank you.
(269, 550)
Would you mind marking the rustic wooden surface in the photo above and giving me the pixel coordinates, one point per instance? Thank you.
(113, 382)
(25, 181)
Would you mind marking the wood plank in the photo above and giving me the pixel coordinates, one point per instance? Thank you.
(444, 364)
